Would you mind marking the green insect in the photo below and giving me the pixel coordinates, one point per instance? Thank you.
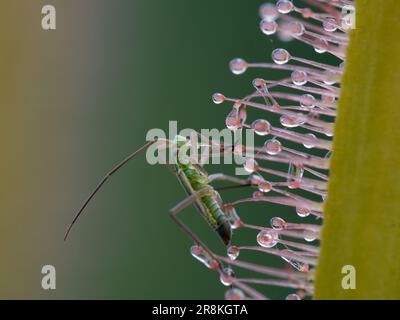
(200, 192)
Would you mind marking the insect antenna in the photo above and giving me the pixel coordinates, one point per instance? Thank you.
(105, 178)
(238, 186)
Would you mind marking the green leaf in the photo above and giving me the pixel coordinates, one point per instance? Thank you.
(362, 225)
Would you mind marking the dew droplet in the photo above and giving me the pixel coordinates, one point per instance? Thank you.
(300, 266)
(280, 56)
(265, 186)
(295, 174)
(234, 294)
(233, 217)
(273, 147)
(227, 276)
(307, 13)
(303, 212)
(258, 195)
(299, 78)
(268, 27)
(203, 256)
(310, 236)
(307, 101)
(331, 78)
(251, 166)
(278, 223)
(218, 98)
(268, 238)
(268, 12)
(293, 296)
(329, 24)
(321, 45)
(289, 122)
(296, 28)
(284, 6)
(233, 252)
(261, 127)
(259, 83)
(255, 179)
(238, 66)
(310, 144)
(328, 99)
(235, 119)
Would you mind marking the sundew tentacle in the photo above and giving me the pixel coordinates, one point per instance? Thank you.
(304, 102)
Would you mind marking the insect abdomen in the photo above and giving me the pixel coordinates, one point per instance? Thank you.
(214, 214)
(219, 221)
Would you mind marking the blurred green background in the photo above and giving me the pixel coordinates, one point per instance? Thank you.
(77, 100)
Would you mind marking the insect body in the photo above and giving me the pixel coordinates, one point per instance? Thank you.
(196, 182)
(209, 204)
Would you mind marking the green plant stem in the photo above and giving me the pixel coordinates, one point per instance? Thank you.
(362, 225)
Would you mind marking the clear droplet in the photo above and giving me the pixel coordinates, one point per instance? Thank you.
(307, 13)
(268, 238)
(238, 66)
(227, 276)
(268, 27)
(328, 99)
(284, 33)
(235, 119)
(300, 266)
(233, 252)
(218, 98)
(261, 127)
(299, 78)
(296, 28)
(290, 122)
(255, 179)
(321, 45)
(259, 83)
(233, 217)
(329, 24)
(265, 186)
(280, 56)
(273, 147)
(258, 195)
(203, 256)
(295, 174)
(331, 78)
(234, 294)
(312, 137)
(268, 12)
(310, 236)
(284, 6)
(303, 212)
(293, 296)
(278, 223)
(308, 101)
(251, 166)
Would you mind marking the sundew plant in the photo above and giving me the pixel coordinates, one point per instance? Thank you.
(341, 177)
(329, 127)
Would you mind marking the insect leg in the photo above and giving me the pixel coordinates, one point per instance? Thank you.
(184, 204)
(180, 207)
(224, 177)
